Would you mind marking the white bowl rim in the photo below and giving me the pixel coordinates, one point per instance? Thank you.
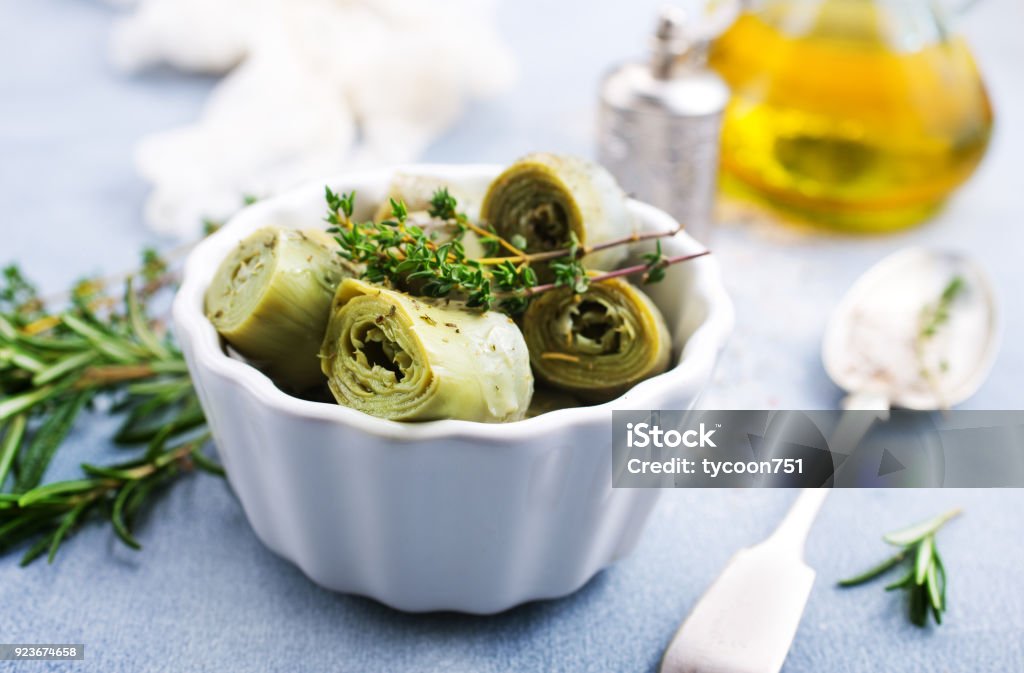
(696, 360)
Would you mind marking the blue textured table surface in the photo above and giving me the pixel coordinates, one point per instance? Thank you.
(205, 595)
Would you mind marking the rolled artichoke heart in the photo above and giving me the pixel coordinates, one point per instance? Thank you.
(597, 344)
(410, 359)
(546, 198)
(270, 299)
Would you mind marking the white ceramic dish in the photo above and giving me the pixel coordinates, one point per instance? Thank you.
(445, 515)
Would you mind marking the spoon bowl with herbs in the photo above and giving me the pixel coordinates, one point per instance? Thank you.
(918, 330)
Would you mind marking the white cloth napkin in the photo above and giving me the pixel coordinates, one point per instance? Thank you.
(312, 87)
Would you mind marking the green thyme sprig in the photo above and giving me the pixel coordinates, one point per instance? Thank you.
(569, 271)
(932, 319)
(400, 253)
(934, 316)
(924, 578)
(444, 206)
(55, 365)
(403, 254)
(656, 263)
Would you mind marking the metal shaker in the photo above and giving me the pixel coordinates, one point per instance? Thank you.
(659, 124)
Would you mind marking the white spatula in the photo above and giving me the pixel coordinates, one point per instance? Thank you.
(746, 620)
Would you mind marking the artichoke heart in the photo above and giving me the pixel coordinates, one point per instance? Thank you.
(597, 344)
(546, 198)
(270, 300)
(408, 359)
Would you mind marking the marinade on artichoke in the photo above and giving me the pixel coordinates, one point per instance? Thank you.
(597, 344)
(546, 198)
(270, 299)
(409, 359)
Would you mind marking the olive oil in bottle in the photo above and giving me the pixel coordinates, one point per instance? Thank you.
(857, 114)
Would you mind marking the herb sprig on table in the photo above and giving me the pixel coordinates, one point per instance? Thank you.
(396, 251)
(924, 578)
(99, 350)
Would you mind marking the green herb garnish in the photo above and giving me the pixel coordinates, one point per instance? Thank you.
(934, 316)
(396, 252)
(925, 576)
(54, 365)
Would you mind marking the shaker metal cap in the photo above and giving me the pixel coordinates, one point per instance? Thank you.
(673, 79)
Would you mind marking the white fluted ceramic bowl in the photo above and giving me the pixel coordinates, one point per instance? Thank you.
(445, 515)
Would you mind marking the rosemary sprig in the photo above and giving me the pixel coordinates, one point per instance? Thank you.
(55, 365)
(405, 255)
(925, 577)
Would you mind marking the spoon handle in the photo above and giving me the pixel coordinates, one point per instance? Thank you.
(792, 532)
(860, 412)
(865, 401)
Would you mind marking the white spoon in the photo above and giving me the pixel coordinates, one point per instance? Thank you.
(746, 620)
(873, 346)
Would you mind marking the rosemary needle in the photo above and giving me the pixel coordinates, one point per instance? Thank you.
(925, 579)
(877, 571)
(54, 366)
